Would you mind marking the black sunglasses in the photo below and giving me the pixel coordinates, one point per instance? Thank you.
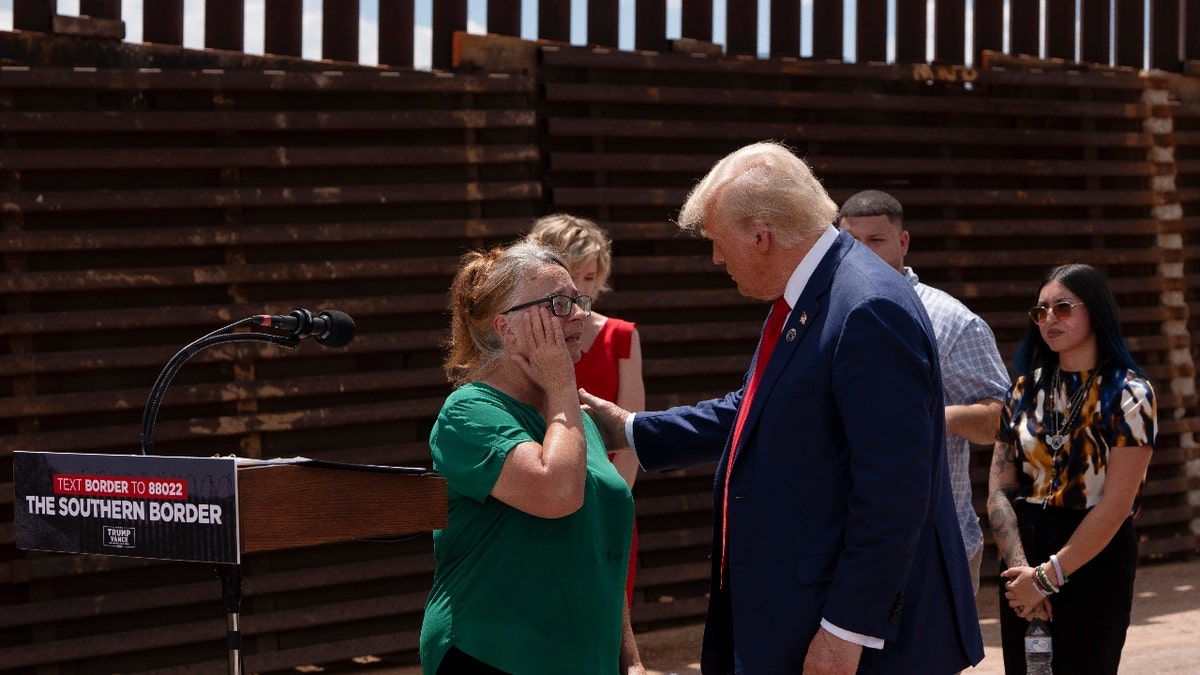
(1061, 311)
(560, 304)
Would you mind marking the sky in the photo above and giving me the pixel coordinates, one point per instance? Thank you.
(193, 36)
(193, 33)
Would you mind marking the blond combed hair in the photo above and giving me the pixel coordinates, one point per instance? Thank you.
(579, 240)
(486, 284)
(763, 182)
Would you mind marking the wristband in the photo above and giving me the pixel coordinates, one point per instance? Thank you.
(1062, 578)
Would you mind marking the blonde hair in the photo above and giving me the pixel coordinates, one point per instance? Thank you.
(579, 240)
(765, 183)
(486, 284)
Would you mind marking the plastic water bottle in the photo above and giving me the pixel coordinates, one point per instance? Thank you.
(1039, 648)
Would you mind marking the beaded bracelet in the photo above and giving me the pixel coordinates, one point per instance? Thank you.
(1043, 581)
(1062, 578)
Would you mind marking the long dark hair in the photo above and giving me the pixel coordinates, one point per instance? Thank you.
(1089, 284)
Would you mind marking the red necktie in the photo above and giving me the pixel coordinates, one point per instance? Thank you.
(770, 336)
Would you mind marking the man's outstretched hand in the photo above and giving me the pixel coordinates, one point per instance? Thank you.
(609, 417)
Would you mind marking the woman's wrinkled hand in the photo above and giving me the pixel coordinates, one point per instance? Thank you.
(537, 345)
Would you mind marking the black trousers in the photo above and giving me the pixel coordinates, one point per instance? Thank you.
(458, 662)
(1091, 612)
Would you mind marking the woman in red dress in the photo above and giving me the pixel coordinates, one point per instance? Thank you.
(611, 365)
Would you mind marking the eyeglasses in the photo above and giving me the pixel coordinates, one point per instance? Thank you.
(560, 304)
(1061, 311)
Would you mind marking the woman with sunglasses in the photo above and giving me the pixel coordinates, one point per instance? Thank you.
(530, 570)
(1076, 435)
(611, 365)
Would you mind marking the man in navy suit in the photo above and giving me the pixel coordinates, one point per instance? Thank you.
(836, 548)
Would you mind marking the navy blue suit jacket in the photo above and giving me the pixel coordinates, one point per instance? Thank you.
(840, 505)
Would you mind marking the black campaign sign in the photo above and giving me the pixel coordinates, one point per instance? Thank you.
(144, 506)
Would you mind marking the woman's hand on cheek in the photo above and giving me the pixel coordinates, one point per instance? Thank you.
(538, 346)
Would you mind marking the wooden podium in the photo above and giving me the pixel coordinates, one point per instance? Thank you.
(214, 509)
(295, 505)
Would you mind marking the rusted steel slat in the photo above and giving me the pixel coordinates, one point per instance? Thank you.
(750, 98)
(204, 275)
(176, 594)
(333, 80)
(1060, 30)
(554, 20)
(224, 24)
(184, 633)
(1191, 30)
(339, 30)
(993, 167)
(1095, 30)
(606, 60)
(741, 29)
(504, 17)
(1164, 35)
(207, 317)
(950, 31)
(670, 62)
(672, 129)
(409, 193)
(1129, 38)
(1024, 24)
(149, 357)
(827, 30)
(637, 163)
(34, 15)
(219, 430)
(257, 390)
(162, 22)
(1008, 198)
(448, 16)
(284, 27)
(171, 237)
(396, 26)
(706, 365)
(276, 120)
(603, 22)
(650, 25)
(988, 20)
(911, 31)
(785, 28)
(871, 24)
(696, 21)
(264, 157)
(104, 9)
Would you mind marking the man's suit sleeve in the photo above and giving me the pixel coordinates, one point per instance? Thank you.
(888, 392)
(686, 435)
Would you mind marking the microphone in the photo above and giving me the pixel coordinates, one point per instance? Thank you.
(330, 327)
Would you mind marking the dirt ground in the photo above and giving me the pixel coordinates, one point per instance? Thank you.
(1163, 638)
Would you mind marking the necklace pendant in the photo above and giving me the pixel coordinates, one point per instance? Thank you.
(1056, 441)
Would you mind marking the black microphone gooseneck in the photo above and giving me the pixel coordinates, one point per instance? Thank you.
(219, 336)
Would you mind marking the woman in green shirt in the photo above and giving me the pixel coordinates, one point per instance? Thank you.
(530, 573)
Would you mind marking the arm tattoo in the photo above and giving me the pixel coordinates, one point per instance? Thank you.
(1002, 487)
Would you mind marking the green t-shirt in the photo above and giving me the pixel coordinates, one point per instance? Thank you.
(524, 594)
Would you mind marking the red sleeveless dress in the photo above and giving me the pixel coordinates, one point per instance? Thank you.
(597, 373)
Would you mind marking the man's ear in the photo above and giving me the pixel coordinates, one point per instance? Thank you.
(763, 238)
(903, 242)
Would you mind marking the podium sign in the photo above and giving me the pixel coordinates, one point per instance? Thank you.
(145, 506)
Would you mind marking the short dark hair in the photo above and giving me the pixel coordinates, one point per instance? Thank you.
(870, 203)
